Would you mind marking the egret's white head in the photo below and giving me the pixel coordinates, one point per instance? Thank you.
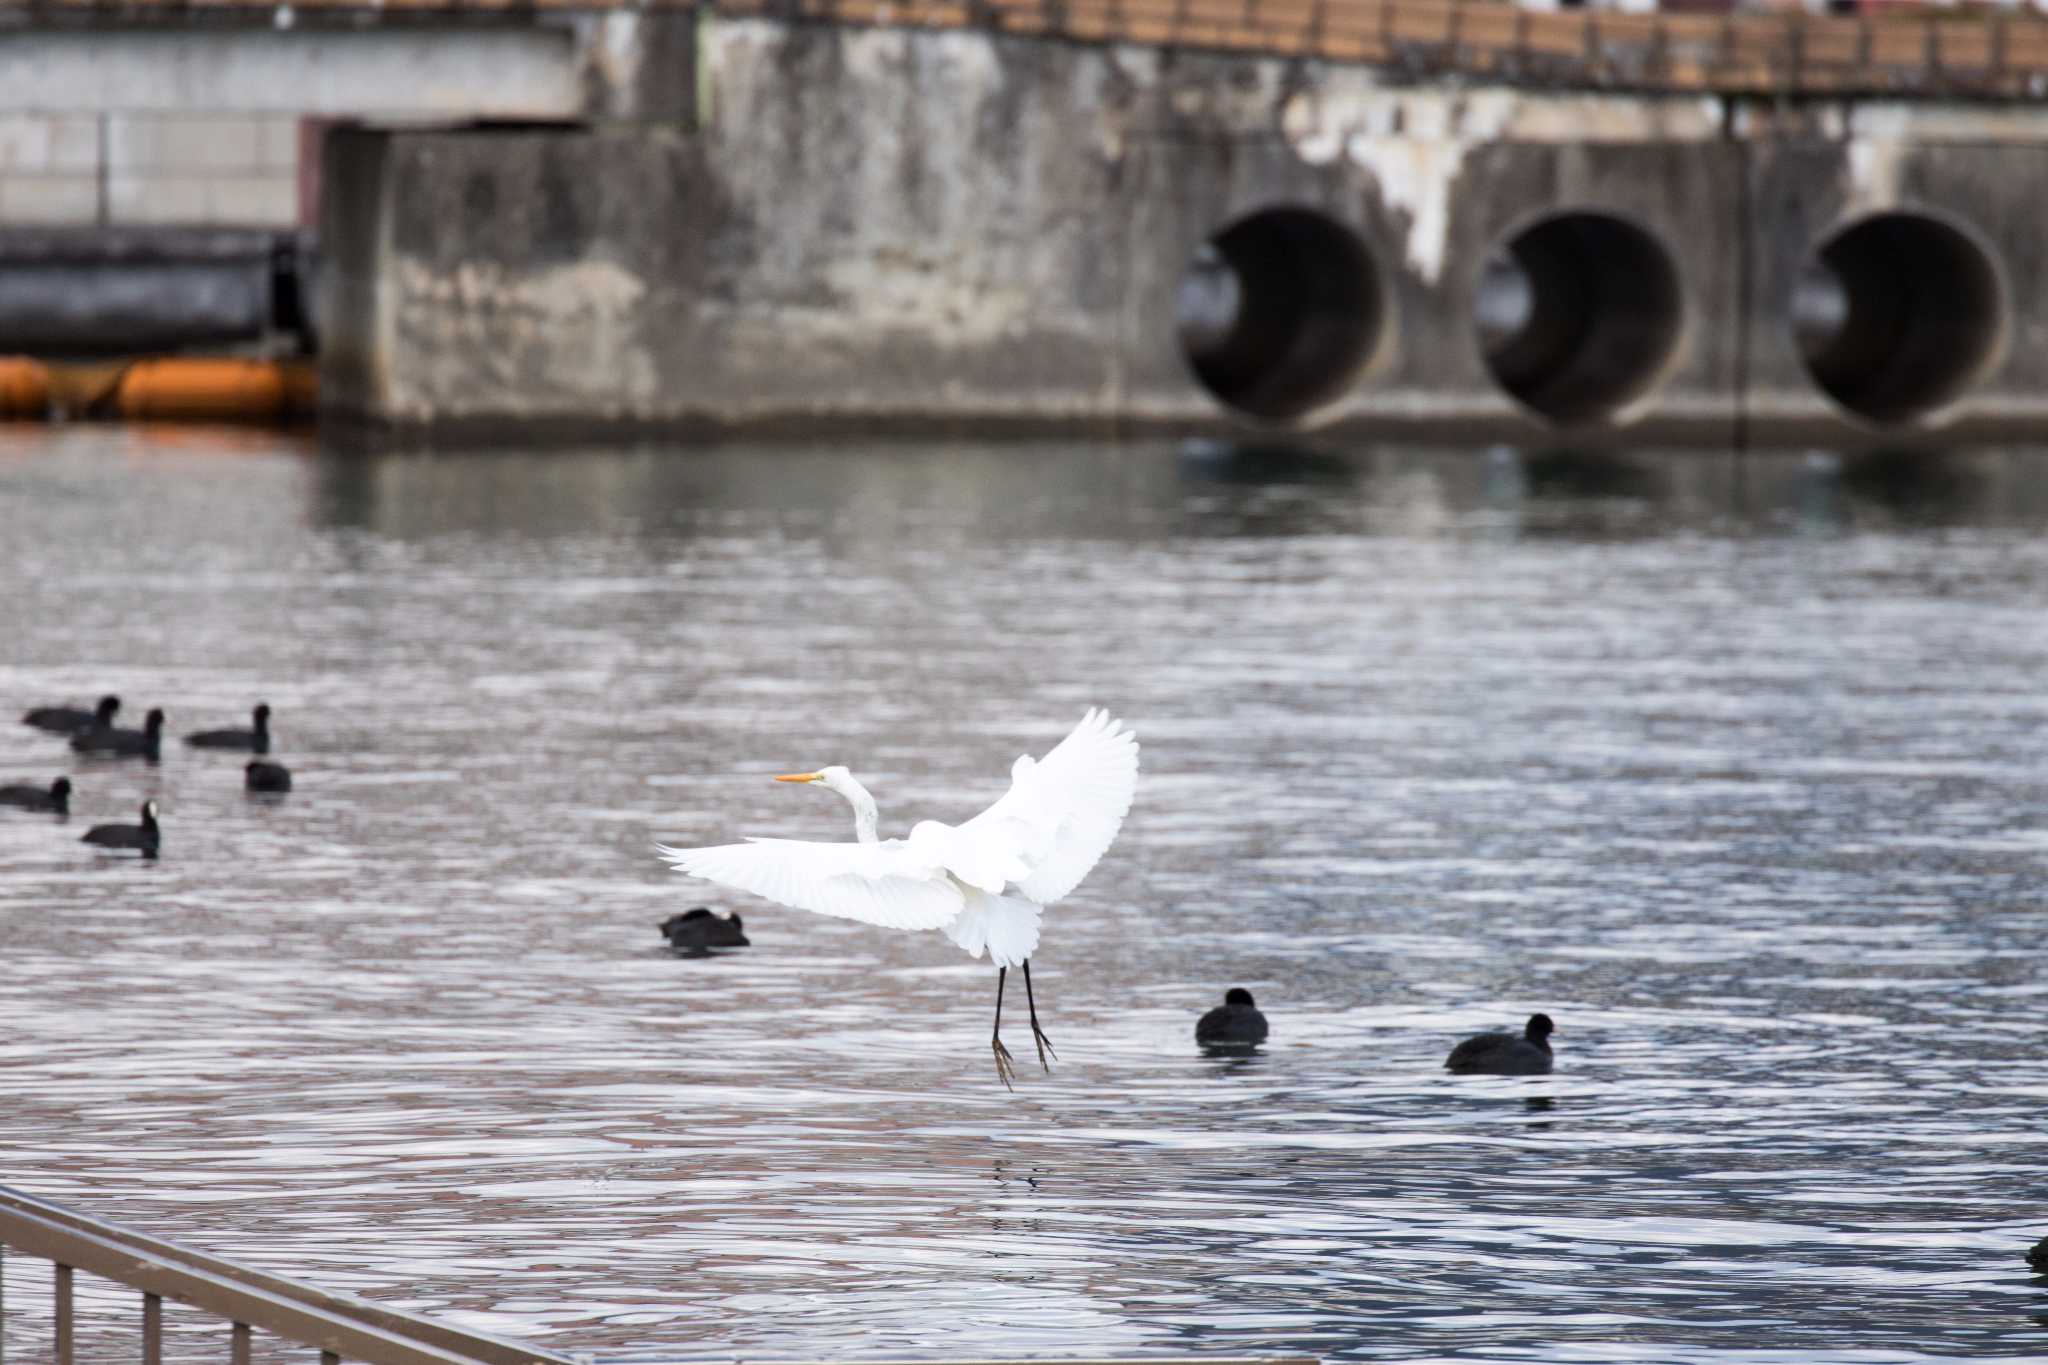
(834, 778)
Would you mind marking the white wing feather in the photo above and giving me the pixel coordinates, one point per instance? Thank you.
(889, 883)
(1062, 813)
(1053, 825)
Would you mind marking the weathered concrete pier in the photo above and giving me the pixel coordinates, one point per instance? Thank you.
(1129, 214)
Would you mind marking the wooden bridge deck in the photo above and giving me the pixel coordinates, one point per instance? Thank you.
(1916, 53)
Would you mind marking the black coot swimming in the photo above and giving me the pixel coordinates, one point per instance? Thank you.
(143, 836)
(2037, 1258)
(1234, 1023)
(66, 720)
(262, 776)
(54, 799)
(144, 743)
(696, 932)
(254, 741)
(1505, 1054)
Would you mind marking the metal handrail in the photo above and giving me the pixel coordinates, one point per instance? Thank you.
(341, 1326)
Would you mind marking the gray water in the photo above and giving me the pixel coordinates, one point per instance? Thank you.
(1735, 767)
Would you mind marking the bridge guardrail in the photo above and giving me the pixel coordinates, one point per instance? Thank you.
(1930, 52)
(341, 1326)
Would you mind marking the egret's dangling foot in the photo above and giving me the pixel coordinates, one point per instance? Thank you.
(1005, 1072)
(1037, 1033)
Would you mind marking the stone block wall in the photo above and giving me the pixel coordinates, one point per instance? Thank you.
(199, 169)
(238, 169)
(50, 168)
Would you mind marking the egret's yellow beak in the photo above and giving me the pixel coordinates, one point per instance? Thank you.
(799, 777)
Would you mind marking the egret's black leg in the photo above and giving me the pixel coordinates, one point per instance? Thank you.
(1037, 1033)
(1004, 1070)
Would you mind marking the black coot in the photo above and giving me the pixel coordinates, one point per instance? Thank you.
(696, 932)
(144, 743)
(53, 800)
(67, 720)
(1505, 1054)
(253, 741)
(143, 836)
(1234, 1023)
(263, 776)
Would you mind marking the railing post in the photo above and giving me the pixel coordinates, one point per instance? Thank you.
(238, 1350)
(63, 1315)
(152, 1329)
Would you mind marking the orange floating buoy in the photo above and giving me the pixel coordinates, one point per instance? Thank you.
(192, 387)
(24, 387)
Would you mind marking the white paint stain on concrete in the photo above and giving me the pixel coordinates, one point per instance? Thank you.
(1415, 179)
(1875, 165)
(1414, 143)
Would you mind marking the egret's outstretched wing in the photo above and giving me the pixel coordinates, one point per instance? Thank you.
(886, 883)
(1061, 813)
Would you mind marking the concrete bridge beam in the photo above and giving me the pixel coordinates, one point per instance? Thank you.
(423, 73)
(198, 119)
(431, 67)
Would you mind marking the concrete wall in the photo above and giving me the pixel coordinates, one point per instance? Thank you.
(850, 254)
(513, 274)
(949, 228)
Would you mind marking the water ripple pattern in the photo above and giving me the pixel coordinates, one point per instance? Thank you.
(1734, 767)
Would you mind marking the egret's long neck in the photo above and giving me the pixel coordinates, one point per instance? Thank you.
(864, 812)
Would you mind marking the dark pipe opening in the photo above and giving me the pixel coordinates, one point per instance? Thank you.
(1898, 315)
(1279, 313)
(1579, 315)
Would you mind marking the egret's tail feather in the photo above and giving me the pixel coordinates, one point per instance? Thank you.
(1007, 926)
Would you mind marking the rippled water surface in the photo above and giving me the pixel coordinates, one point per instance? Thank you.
(1736, 768)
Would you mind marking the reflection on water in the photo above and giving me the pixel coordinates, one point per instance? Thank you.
(1733, 766)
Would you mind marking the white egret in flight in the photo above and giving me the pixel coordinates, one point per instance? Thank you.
(1041, 838)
